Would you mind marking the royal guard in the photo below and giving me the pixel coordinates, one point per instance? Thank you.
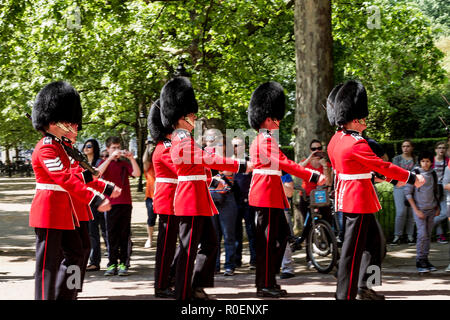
(266, 110)
(193, 203)
(353, 162)
(166, 181)
(58, 245)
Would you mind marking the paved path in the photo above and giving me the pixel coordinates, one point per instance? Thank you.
(400, 279)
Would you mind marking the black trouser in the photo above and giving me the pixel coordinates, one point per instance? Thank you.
(118, 231)
(372, 257)
(195, 230)
(361, 235)
(83, 231)
(165, 249)
(56, 251)
(272, 233)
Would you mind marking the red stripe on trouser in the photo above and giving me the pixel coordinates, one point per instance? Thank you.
(267, 253)
(353, 260)
(43, 267)
(163, 253)
(187, 263)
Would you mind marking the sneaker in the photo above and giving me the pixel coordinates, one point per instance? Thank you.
(286, 275)
(123, 270)
(309, 265)
(441, 239)
(111, 270)
(369, 294)
(148, 243)
(396, 241)
(430, 266)
(228, 272)
(411, 241)
(448, 268)
(422, 266)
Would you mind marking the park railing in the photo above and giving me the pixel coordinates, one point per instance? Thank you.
(18, 168)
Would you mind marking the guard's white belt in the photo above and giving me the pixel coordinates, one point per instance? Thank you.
(47, 186)
(192, 178)
(166, 180)
(267, 172)
(358, 176)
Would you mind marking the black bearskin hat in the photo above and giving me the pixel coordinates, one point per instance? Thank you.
(57, 102)
(177, 100)
(157, 131)
(350, 102)
(267, 101)
(331, 112)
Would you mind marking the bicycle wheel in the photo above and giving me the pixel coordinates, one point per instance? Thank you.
(322, 247)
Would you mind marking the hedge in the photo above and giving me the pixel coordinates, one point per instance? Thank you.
(393, 147)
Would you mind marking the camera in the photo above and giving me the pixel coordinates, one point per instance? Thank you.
(320, 154)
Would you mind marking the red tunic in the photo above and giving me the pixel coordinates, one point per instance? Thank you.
(192, 197)
(266, 188)
(57, 188)
(164, 192)
(83, 211)
(353, 161)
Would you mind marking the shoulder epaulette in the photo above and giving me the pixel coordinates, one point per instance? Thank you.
(357, 136)
(167, 143)
(47, 140)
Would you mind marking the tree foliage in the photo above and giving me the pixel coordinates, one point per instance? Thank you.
(118, 54)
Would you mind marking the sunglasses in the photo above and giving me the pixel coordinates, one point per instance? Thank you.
(89, 146)
(314, 149)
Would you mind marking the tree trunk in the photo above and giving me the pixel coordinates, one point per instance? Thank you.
(141, 138)
(314, 66)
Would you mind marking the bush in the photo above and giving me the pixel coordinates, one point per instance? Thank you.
(386, 216)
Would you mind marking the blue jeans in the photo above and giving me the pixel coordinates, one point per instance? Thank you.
(151, 216)
(225, 224)
(99, 221)
(248, 214)
(424, 228)
(287, 265)
(439, 220)
(403, 214)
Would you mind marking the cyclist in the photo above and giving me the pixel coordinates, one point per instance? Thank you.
(317, 161)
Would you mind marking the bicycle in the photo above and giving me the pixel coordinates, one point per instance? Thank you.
(321, 244)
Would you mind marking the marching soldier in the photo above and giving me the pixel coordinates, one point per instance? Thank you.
(266, 110)
(193, 204)
(58, 245)
(84, 212)
(166, 181)
(353, 160)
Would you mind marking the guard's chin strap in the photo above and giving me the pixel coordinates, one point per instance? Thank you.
(65, 128)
